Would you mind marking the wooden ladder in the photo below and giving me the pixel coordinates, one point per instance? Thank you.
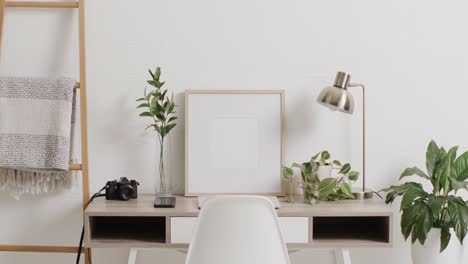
(83, 167)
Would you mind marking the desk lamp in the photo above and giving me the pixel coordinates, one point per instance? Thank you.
(338, 98)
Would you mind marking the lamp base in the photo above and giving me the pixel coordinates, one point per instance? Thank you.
(363, 194)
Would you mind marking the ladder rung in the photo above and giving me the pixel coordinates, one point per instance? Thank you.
(75, 167)
(41, 4)
(43, 249)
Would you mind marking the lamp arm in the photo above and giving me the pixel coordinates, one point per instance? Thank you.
(363, 132)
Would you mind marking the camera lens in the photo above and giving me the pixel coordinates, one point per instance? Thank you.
(126, 192)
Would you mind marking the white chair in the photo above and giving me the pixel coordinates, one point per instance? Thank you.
(237, 230)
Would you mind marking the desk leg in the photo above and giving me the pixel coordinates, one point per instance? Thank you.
(342, 256)
(132, 256)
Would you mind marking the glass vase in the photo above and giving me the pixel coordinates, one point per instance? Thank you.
(289, 186)
(163, 183)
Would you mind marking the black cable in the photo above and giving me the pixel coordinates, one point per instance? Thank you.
(80, 247)
(378, 194)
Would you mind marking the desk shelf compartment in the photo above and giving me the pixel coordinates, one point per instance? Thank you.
(130, 229)
(361, 229)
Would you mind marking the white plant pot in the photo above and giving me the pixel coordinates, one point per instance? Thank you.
(429, 253)
(325, 172)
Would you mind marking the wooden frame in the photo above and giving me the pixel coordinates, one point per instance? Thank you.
(84, 128)
(2, 13)
(282, 113)
(42, 4)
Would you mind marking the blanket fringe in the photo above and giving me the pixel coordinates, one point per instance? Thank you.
(18, 183)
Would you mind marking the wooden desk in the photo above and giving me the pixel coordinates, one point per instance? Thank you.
(136, 224)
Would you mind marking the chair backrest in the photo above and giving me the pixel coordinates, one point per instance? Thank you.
(237, 230)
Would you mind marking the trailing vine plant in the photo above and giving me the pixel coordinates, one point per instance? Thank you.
(328, 189)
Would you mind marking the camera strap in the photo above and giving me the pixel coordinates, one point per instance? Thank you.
(80, 246)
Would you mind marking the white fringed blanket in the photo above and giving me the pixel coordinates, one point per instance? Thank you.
(36, 120)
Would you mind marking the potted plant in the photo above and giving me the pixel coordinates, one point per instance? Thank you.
(160, 108)
(436, 219)
(325, 167)
(325, 187)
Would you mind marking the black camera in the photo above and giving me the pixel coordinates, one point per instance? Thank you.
(122, 189)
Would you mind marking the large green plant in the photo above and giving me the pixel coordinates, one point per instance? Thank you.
(161, 109)
(422, 211)
(329, 189)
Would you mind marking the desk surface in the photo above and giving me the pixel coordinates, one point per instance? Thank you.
(187, 206)
(136, 223)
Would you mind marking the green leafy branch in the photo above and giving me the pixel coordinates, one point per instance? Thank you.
(157, 105)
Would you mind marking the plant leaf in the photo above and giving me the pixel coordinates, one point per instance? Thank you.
(407, 200)
(444, 237)
(172, 119)
(407, 221)
(353, 175)
(422, 222)
(154, 101)
(460, 167)
(337, 163)
(438, 170)
(171, 107)
(160, 116)
(345, 169)
(314, 166)
(141, 99)
(143, 105)
(154, 126)
(287, 172)
(398, 190)
(458, 212)
(312, 200)
(346, 190)
(446, 172)
(432, 154)
(169, 128)
(459, 185)
(436, 204)
(307, 169)
(157, 128)
(414, 171)
(326, 187)
(152, 75)
(157, 73)
(146, 114)
(152, 83)
(410, 193)
(315, 156)
(325, 155)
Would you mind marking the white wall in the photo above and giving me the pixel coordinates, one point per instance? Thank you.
(411, 55)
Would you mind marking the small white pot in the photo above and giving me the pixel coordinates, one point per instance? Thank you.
(429, 253)
(325, 172)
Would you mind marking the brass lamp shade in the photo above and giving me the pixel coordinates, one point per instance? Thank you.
(337, 97)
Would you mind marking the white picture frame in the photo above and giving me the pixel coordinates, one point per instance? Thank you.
(234, 142)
